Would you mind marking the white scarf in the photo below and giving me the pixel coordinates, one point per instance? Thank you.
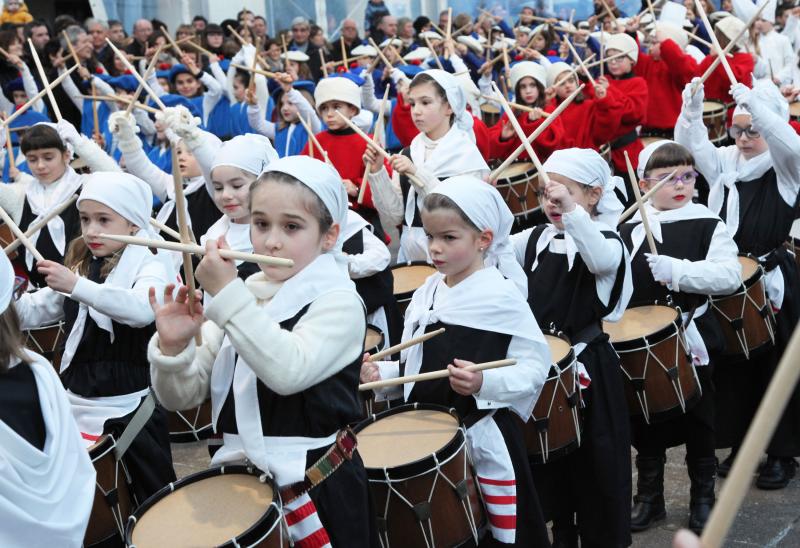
(236, 234)
(656, 218)
(45, 496)
(37, 196)
(192, 185)
(485, 300)
(355, 224)
(734, 168)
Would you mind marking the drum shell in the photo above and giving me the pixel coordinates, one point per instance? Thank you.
(47, 341)
(404, 297)
(714, 118)
(519, 190)
(6, 237)
(190, 425)
(102, 525)
(490, 114)
(415, 479)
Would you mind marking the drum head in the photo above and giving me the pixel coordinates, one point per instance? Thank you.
(559, 348)
(373, 339)
(407, 278)
(640, 321)
(749, 267)
(208, 512)
(516, 169)
(712, 106)
(405, 437)
(489, 108)
(794, 110)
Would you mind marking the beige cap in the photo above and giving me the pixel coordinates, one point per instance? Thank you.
(623, 43)
(528, 68)
(337, 88)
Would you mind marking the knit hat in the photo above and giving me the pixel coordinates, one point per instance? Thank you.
(672, 32)
(338, 89)
(730, 27)
(555, 70)
(528, 68)
(625, 44)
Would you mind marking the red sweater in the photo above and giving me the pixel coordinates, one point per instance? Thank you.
(590, 122)
(666, 79)
(545, 144)
(631, 93)
(717, 86)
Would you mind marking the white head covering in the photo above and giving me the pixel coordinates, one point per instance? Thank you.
(673, 32)
(527, 68)
(337, 89)
(587, 167)
(745, 9)
(487, 210)
(623, 43)
(455, 96)
(6, 282)
(672, 12)
(731, 26)
(647, 152)
(555, 70)
(767, 94)
(249, 152)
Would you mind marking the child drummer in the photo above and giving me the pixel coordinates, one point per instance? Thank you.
(696, 259)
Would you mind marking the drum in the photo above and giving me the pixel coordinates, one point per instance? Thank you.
(374, 339)
(605, 152)
(517, 185)
(490, 114)
(746, 316)
(422, 484)
(113, 502)
(407, 278)
(226, 506)
(6, 237)
(191, 424)
(714, 118)
(660, 379)
(794, 111)
(554, 428)
(20, 285)
(47, 341)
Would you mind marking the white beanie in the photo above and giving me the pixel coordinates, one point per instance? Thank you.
(338, 88)
(625, 44)
(731, 27)
(364, 49)
(294, 55)
(674, 33)
(555, 70)
(528, 68)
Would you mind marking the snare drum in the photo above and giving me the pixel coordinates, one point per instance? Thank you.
(660, 379)
(517, 185)
(794, 111)
(113, 502)
(407, 279)
(6, 237)
(226, 506)
(374, 339)
(490, 114)
(554, 428)
(746, 316)
(190, 424)
(46, 340)
(421, 481)
(714, 118)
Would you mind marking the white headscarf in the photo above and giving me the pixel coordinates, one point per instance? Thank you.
(587, 167)
(487, 210)
(455, 96)
(6, 282)
(249, 152)
(647, 152)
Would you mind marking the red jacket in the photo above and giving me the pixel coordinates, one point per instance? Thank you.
(666, 79)
(718, 85)
(545, 144)
(631, 93)
(590, 122)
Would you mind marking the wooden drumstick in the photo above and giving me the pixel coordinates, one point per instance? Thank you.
(513, 104)
(35, 227)
(95, 116)
(166, 230)
(379, 129)
(521, 134)
(433, 52)
(737, 483)
(441, 374)
(136, 75)
(413, 178)
(640, 204)
(12, 162)
(313, 140)
(721, 54)
(646, 196)
(43, 77)
(403, 345)
(264, 73)
(602, 52)
(580, 62)
(6, 218)
(199, 250)
(344, 53)
(147, 73)
(21, 110)
(70, 47)
(173, 45)
(322, 63)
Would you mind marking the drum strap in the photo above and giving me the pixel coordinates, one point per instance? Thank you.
(135, 425)
(773, 259)
(625, 140)
(587, 334)
(341, 451)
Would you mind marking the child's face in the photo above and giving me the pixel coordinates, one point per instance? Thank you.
(47, 164)
(20, 97)
(12, 6)
(238, 89)
(187, 163)
(750, 147)
(528, 90)
(274, 52)
(586, 197)
(15, 48)
(455, 247)
(429, 111)
(618, 66)
(327, 112)
(96, 219)
(164, 83)
(215, 40)
(539, 43)
(281, 225)
(289, 110)
(231, 187)
(186, 85)
(677, 192)
(568, 84)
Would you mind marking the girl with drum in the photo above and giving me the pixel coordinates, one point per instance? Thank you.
(46, 477)
(48, 151)
(101, 293)
(281, 354)
(579, 274)
(476, 296)
(754, 188)
(696, 258)
(445, 147)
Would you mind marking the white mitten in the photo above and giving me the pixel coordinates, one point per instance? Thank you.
(67, 132)
(122, 125)
(693, 103)
(661, 267)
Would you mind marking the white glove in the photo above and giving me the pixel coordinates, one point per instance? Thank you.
(122, 125)
(179, 118)
(397, 75)
(661, 267)
(248, 52)
(67, 132)
(741, 94)
(693, 104)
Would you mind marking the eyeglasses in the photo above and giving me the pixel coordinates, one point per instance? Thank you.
(687, 178)
(736, 131)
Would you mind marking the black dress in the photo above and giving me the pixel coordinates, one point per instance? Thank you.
(20, 408)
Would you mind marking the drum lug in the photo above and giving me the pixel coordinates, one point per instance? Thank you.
(542, 424)
(574, 398)
(462, 489)
(112, 497)
(423, 511)
(672, 373)
(381, 524)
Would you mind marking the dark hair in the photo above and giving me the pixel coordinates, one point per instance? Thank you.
(435, 201)
(36, 23)
(41, 136)
(313, 203)
(669, 155)
(8, 37)
(540, 99)
(115, 23)
(724, 40)
(199, 18)
(157, 24)
(61, 22)
(549, 35)
(11, 341)
(420, 23)
(423, 78)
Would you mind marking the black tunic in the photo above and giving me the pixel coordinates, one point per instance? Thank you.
(20, 408)
(44, 243)
(595, 480)
(202, 211)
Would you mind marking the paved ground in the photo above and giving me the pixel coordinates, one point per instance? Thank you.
(768, 518)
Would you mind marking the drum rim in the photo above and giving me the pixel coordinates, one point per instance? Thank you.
(421, 466)
(520, 177)
(103, 445)
(255, 530)
(570, 358)
(666, 332)
(406, 295)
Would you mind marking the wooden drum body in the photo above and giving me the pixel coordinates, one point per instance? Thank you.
(6, 237)
(422, 484)
(227, 506)
(794, 111)
(113, 502)
(746, 316)
(517, 185)
(47, 341)
(660, 380)
(407, 279)
(714, 118)
(190, 424)
(554, 428)
(490, 114)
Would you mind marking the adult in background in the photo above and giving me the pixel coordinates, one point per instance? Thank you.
(142, 29)
(301, 31)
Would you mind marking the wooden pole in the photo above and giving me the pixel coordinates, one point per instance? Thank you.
(433, 52)
(21, 110)
(344, 53)
(646, 196)
(6, 218)
(441, 374)
(377, 137)
(70, 47)
(640, 204)
(322, 62)
(12, 162)
(403, 345)
(175, 48)
(136, 75)
(95, 116)
(720, 52)
(43, 76)
(580, 62)
(37, 226)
